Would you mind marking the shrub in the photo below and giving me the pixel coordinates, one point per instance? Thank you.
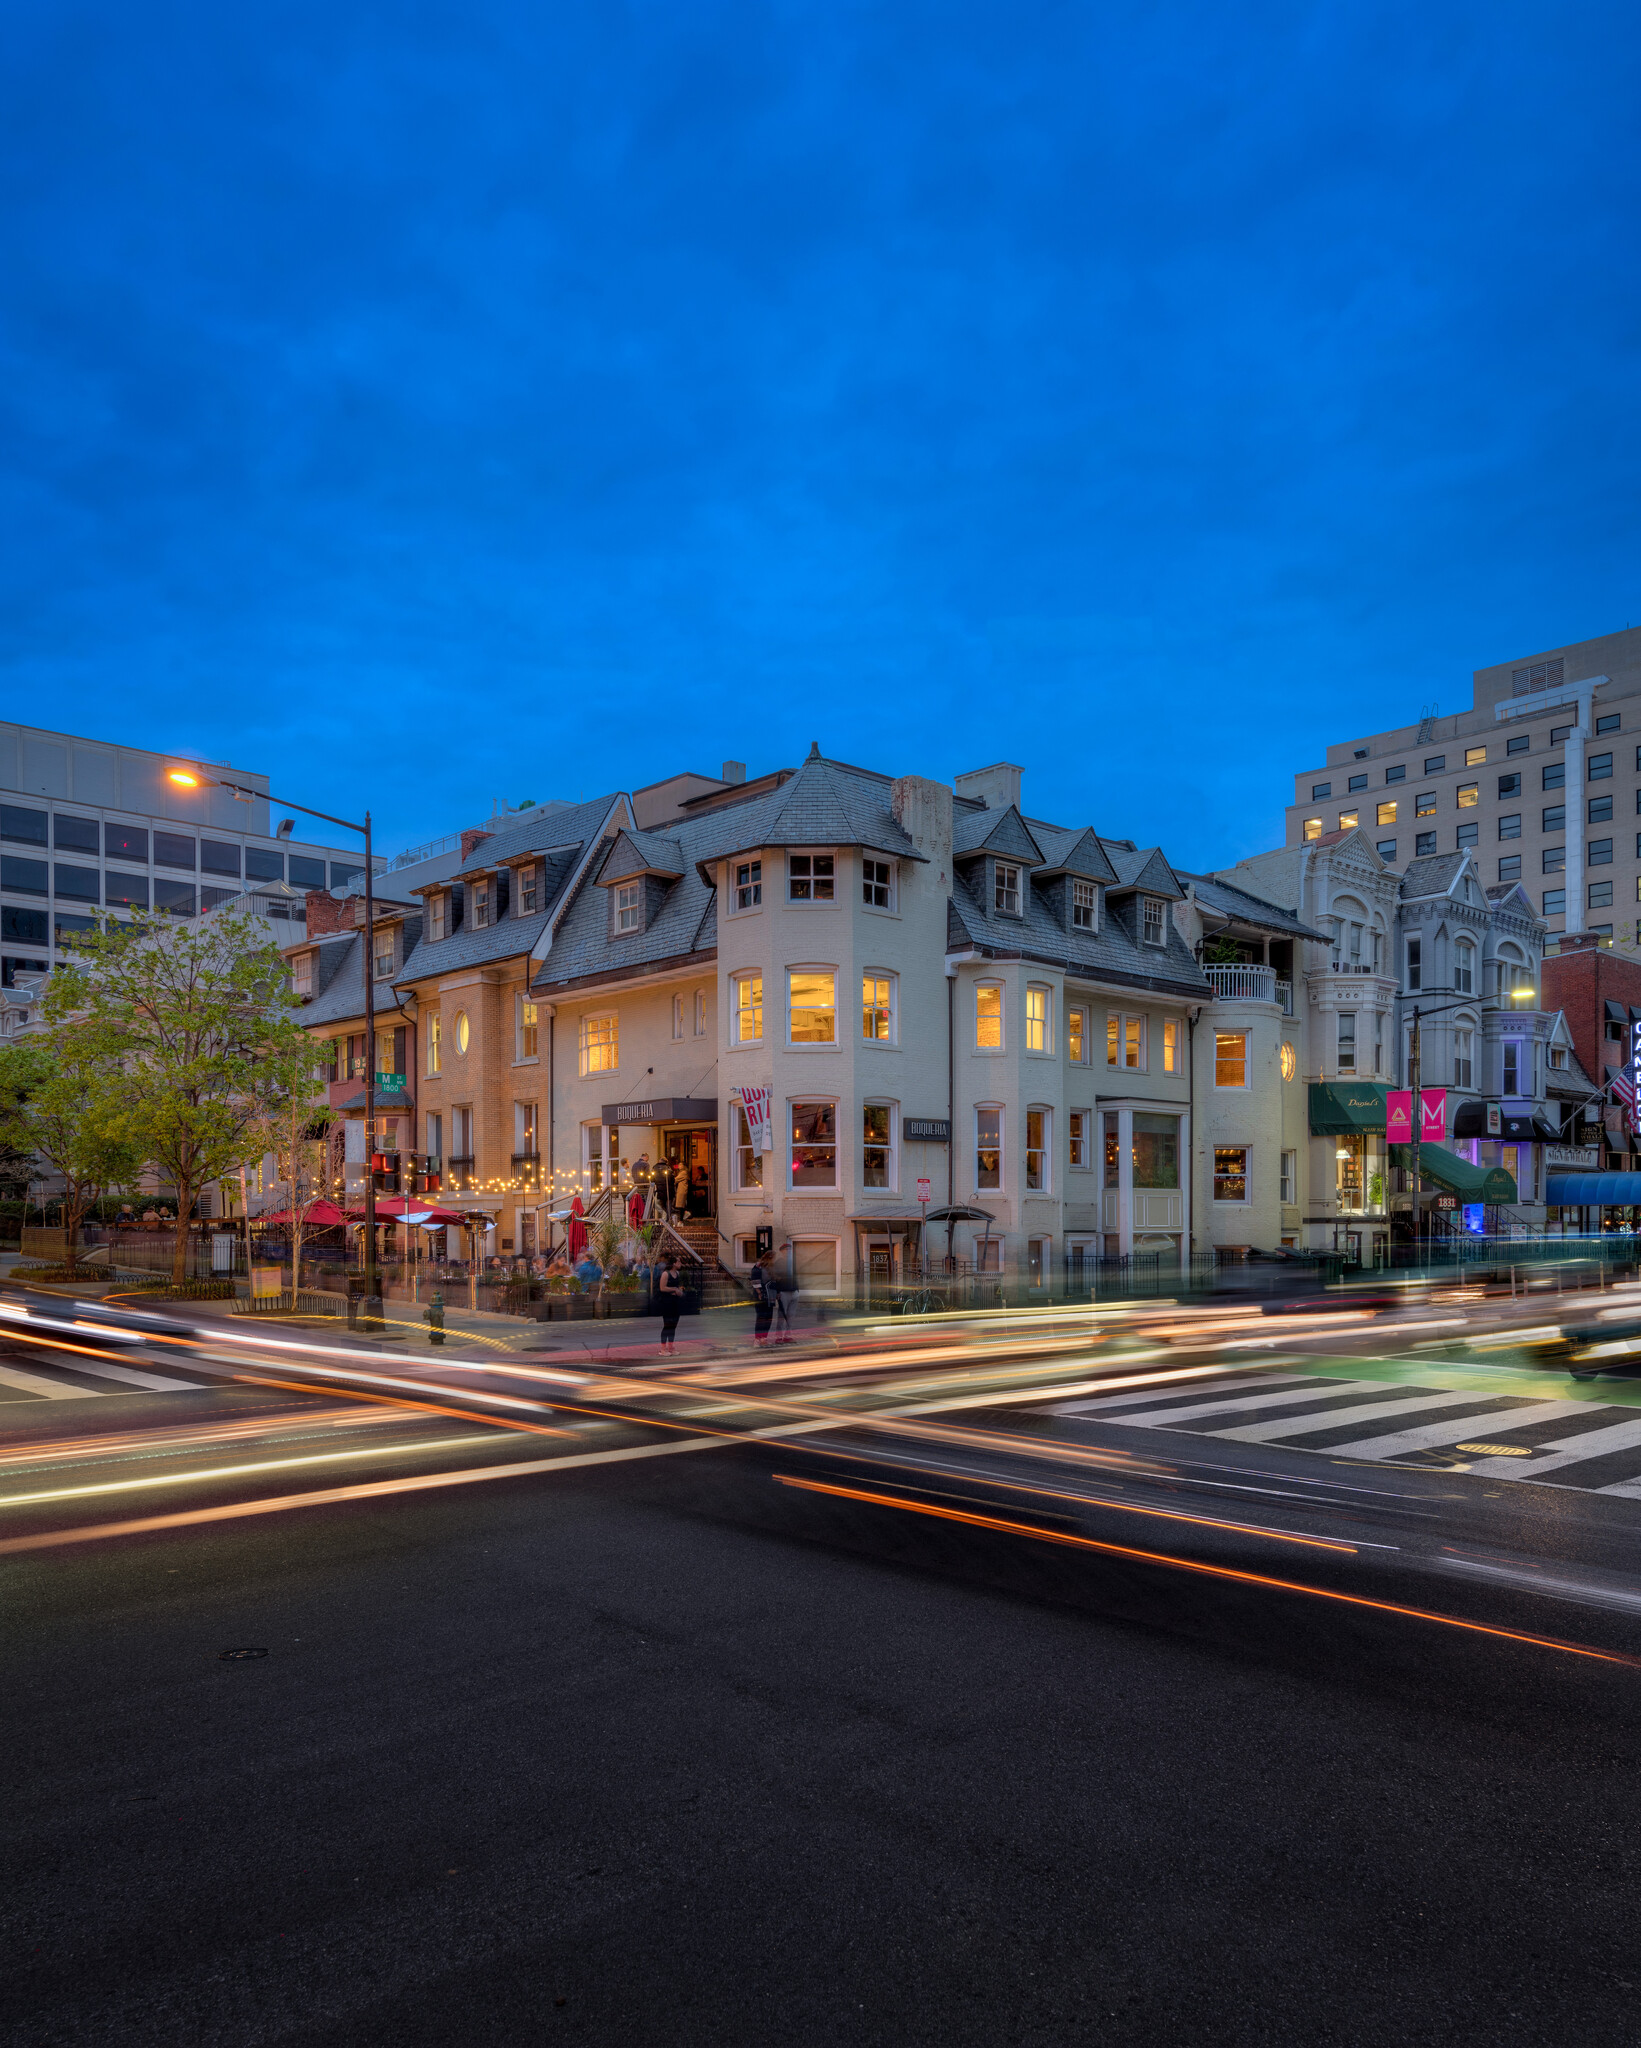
(57, 1273)
(186, 1290)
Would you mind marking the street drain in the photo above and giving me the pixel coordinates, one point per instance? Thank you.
(1497, 1450)
(229, 1656)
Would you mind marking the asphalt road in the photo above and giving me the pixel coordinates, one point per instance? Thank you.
(662, 1751)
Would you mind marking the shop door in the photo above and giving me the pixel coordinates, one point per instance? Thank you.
(695, 1150)
(880, 1260)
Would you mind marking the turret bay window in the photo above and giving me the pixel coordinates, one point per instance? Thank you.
(810, 878)
(1347, 1042)
(747, 1164)
(1230, 1173)
(877, 884)
(749, 884)
(1006, 888)
(814, 1144)
(877, 1006)
(1039, 1018)
(878, 1145)
(1230, 1059)
(812, 1006)
(748, 1012)
(629, 906)
(1084, 901)
(988, 1017)
(1155, 1150)
(1154, 921)
(600, 1044)
(988, 1148)
(1039, 1149)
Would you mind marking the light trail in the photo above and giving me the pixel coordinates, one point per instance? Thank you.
(1213, 1571)
(449, 1443)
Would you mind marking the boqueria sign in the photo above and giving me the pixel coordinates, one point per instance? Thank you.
(661, 1109)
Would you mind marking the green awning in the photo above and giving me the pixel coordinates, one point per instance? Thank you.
(1338, 1108)
(1457, 1176)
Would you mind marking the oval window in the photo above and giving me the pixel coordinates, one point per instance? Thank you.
(1290, 1059)
(461, 1031)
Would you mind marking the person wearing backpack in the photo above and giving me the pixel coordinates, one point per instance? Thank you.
(763, 1298)
(783, 1286)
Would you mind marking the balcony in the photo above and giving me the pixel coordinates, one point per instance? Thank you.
(527, 1169)
(1246, 984)
(461, 1176)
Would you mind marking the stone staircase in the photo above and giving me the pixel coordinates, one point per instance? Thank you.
(700, 1233)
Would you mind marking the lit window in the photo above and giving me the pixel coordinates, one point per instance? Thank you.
(1469, 795)
(877, 1146)
(1386, 814)
(988, 1150)
(749, 1164)
(1039, 1123)
(628, 907)
(1008, 889)
(749, 884)
(810, 877)
(1230, 1059)
(1037, 999)
(1349, 820)
(1113, 1041)
(988, 1017)
(812, 999)
(1133, 1042)
(1170, 1045)
(1474, 756)
(1077, 1036)
(463, 1031)
(1424, 804)
(600, 1045)
(876, 884)
(1080, 1152)
(1313, 828)
(814, 1145)
(749, 1010)
(529, 1029)
(435, 1045)
(1230, 1173)
(1083, 901)
(877, 1006)
(1155, 920)
(1289, 1060)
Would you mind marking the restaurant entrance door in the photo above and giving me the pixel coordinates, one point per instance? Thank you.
(691, 1155)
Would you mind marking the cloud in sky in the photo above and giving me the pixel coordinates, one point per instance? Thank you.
(435, 403)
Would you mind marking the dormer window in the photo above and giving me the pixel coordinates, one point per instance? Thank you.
(1008, 889)
(481, 904)
(302, 974)
(436, 916)
(810, 878)
(629, 907)
(383, 955)
(529, 889)
(1083, 901)
(1153, 918)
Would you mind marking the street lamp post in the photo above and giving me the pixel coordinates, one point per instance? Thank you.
(196, 778)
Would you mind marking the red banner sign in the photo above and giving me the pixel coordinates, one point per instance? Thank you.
(1432, 1114)
(1399, 1116)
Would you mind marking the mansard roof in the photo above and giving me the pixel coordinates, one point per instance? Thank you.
(339, 966)
(1226, 900)
(1111, 954)
(826, 803)
(683, 927)
(571, 826)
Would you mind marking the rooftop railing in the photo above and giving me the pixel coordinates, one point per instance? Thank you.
(1242, 984)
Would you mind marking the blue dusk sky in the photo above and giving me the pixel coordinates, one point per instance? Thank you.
(436, 403)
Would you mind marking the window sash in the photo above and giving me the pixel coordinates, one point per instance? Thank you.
(988, 1149)
(627, 907)
(812, 1007)
(529, 1030)
(876, 884)
(600, 1044)
(1230, 1059)
(748, 1164)
(749, 1009)
(1036, 1019)
(1230, 1173)
(877, 1145)
(1007, 891)
(1078, 1131)
(1037, 1160)
(876, 1007)
(1077, 1036)
(814, 1145)
(810, 878)
(988, 1017)
(749, 884)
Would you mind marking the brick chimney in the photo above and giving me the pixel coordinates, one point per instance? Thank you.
(326, 914)
(473, 837)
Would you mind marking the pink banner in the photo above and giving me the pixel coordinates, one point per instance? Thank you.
(1433, 1114)
(1399, 1116)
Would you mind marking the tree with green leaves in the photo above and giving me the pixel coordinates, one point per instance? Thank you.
(61, 1103)
(197, 1017)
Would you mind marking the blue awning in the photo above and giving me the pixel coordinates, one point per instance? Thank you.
(1591, 1190)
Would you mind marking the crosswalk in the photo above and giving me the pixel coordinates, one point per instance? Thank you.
(85, 1379)
(1590, 1444)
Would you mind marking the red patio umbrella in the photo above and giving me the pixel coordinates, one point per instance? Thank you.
(319, 1215)
(575, 1235)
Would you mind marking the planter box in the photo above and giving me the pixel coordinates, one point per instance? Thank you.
(586, 1308)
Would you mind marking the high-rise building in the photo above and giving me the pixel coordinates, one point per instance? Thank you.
(1540, 778)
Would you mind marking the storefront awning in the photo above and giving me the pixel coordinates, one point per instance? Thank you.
(1470, 1121)
(1592, 1190)
(1338, 1108)
(661, 1109)
(1457, 1176)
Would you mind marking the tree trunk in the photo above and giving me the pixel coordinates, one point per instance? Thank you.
(179, 1255)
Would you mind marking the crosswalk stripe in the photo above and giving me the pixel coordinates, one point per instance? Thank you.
(1202, 1391)
(47, 1390)
(1565, 1451)
(1363, 1411)
(1160, 1418)
(155, 1382)
(1455, 1430)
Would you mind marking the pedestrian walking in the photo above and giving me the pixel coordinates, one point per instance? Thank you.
(763, 1298)
(785, 1288)
(671, 1293)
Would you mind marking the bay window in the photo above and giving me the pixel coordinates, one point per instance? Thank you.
(1038, 1021)
(988, 1148)
(814, 1144)
(810, 877)
(988, 1017)
(877, 1006)
(1230, 1059)
(1039, 1149)
(748, 1012)
(812, 1006)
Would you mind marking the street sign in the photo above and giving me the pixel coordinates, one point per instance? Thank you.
(924, 1190)
(391, 1084)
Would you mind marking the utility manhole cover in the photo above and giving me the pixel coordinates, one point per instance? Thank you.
(229, 1656)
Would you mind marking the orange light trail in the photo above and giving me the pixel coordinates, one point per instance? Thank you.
(1211, 1571)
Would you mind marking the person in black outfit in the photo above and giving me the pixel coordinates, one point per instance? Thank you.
(668, 1287)
(763, 1298)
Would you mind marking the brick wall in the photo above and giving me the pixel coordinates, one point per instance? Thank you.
(1581, 980)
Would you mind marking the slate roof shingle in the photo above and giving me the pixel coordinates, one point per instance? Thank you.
(1224, 898)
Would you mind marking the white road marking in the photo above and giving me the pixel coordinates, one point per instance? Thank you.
(48, 1390)
(1160, 1418)
(1555, 1457)
(1367, 1411)
(155, 1382)
(1453, 1431)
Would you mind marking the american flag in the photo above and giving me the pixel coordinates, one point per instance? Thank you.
(1623, 1088)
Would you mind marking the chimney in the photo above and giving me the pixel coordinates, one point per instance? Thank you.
(923, 811)
(734, 771)
(997, 787)
(473, 837)
(326, 914)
